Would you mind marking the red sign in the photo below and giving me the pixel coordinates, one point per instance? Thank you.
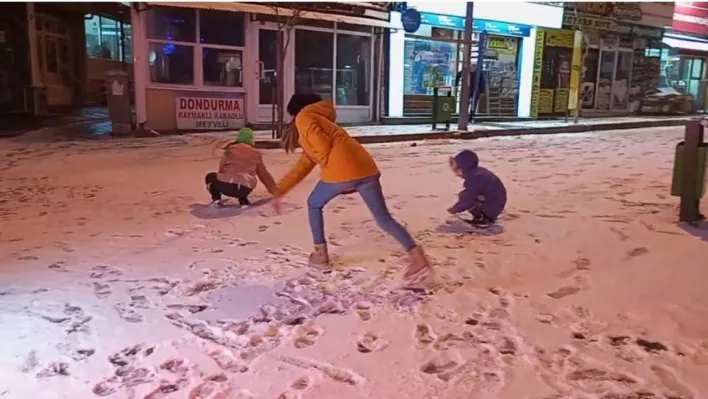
(691, 17)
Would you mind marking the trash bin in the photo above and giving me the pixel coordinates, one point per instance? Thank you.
(678, 170)
(443, 106)
(118, 99)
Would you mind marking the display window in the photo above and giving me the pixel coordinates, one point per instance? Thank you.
(433, 58)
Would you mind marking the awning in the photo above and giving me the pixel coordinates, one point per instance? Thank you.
(686, 44)
(264, 9)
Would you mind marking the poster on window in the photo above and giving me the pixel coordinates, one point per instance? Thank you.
(207, 113)
(501, 70)
(554, 64)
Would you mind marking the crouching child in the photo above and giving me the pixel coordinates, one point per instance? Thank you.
(484, 194)
(240, 168)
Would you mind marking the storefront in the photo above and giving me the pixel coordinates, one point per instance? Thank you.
(211, 69)
(615, 73)
(556, 71)
(431, 56)
(684, 54)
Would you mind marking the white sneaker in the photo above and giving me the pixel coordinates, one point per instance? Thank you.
(217, 203)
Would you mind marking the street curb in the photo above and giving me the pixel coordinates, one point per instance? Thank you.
(526, 131)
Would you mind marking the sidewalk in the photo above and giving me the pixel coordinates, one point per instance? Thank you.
(396, 133)
(84, 121)
(92, 124)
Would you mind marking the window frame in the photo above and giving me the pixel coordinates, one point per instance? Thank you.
(335, 31)
(198, 62)
(121, 33)
(53, 79)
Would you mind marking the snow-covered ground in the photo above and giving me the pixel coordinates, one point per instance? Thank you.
(110, 285)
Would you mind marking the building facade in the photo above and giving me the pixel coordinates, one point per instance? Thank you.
(431, 56)
(617, 34)
(684, 54)
(211, 66)
(49, 53)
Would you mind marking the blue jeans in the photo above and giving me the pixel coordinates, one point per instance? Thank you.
(370, 190)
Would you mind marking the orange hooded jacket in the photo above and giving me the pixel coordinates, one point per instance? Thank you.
(324, 143)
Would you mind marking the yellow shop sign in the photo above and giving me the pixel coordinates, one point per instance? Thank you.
(501, 43)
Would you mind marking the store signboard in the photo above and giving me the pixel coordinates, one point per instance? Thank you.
(410, 20)
(651, 14)
(196, 112)
(479, 25)
(691, 17)
(598, 23)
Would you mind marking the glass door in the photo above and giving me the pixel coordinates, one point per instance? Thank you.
(605, 76)
(267, 72)
(695, 70)
(267, 62)
(620, 84)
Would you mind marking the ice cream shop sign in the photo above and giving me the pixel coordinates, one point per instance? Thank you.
(205, 113)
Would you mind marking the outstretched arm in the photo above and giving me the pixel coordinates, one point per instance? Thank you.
(468, 199)
(302, 168)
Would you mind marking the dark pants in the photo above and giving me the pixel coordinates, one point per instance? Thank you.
(217, 188)
(478, 215)
(473, 107)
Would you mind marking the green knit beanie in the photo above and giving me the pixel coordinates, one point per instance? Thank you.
(245, 135)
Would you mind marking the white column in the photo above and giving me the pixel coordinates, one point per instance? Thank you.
(140, 63)
(396, 68)
(33, 52)
(251, 70)
(528, 50)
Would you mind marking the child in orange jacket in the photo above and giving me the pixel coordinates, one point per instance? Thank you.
(345, 167)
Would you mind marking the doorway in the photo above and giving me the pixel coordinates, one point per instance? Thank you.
(692, 71)
(266, 61)
(54, 48)
(608, 88)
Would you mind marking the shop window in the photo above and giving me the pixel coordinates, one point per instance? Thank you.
(172, 24)
(314, 53)
(173, 33)
(127, 43)
(171, 63)
(103, 39)
(500, 92)
(353, 66)
(589, 79)
(222, 67)
(54, 52)
(427, 64)
(267, 55)
(222, 28)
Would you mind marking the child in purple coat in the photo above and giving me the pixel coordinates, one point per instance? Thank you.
(484, 195)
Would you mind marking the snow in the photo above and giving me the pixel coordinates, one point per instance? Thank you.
(109, 284)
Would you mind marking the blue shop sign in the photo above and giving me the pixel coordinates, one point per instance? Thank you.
(479, 25)
(411, 20)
